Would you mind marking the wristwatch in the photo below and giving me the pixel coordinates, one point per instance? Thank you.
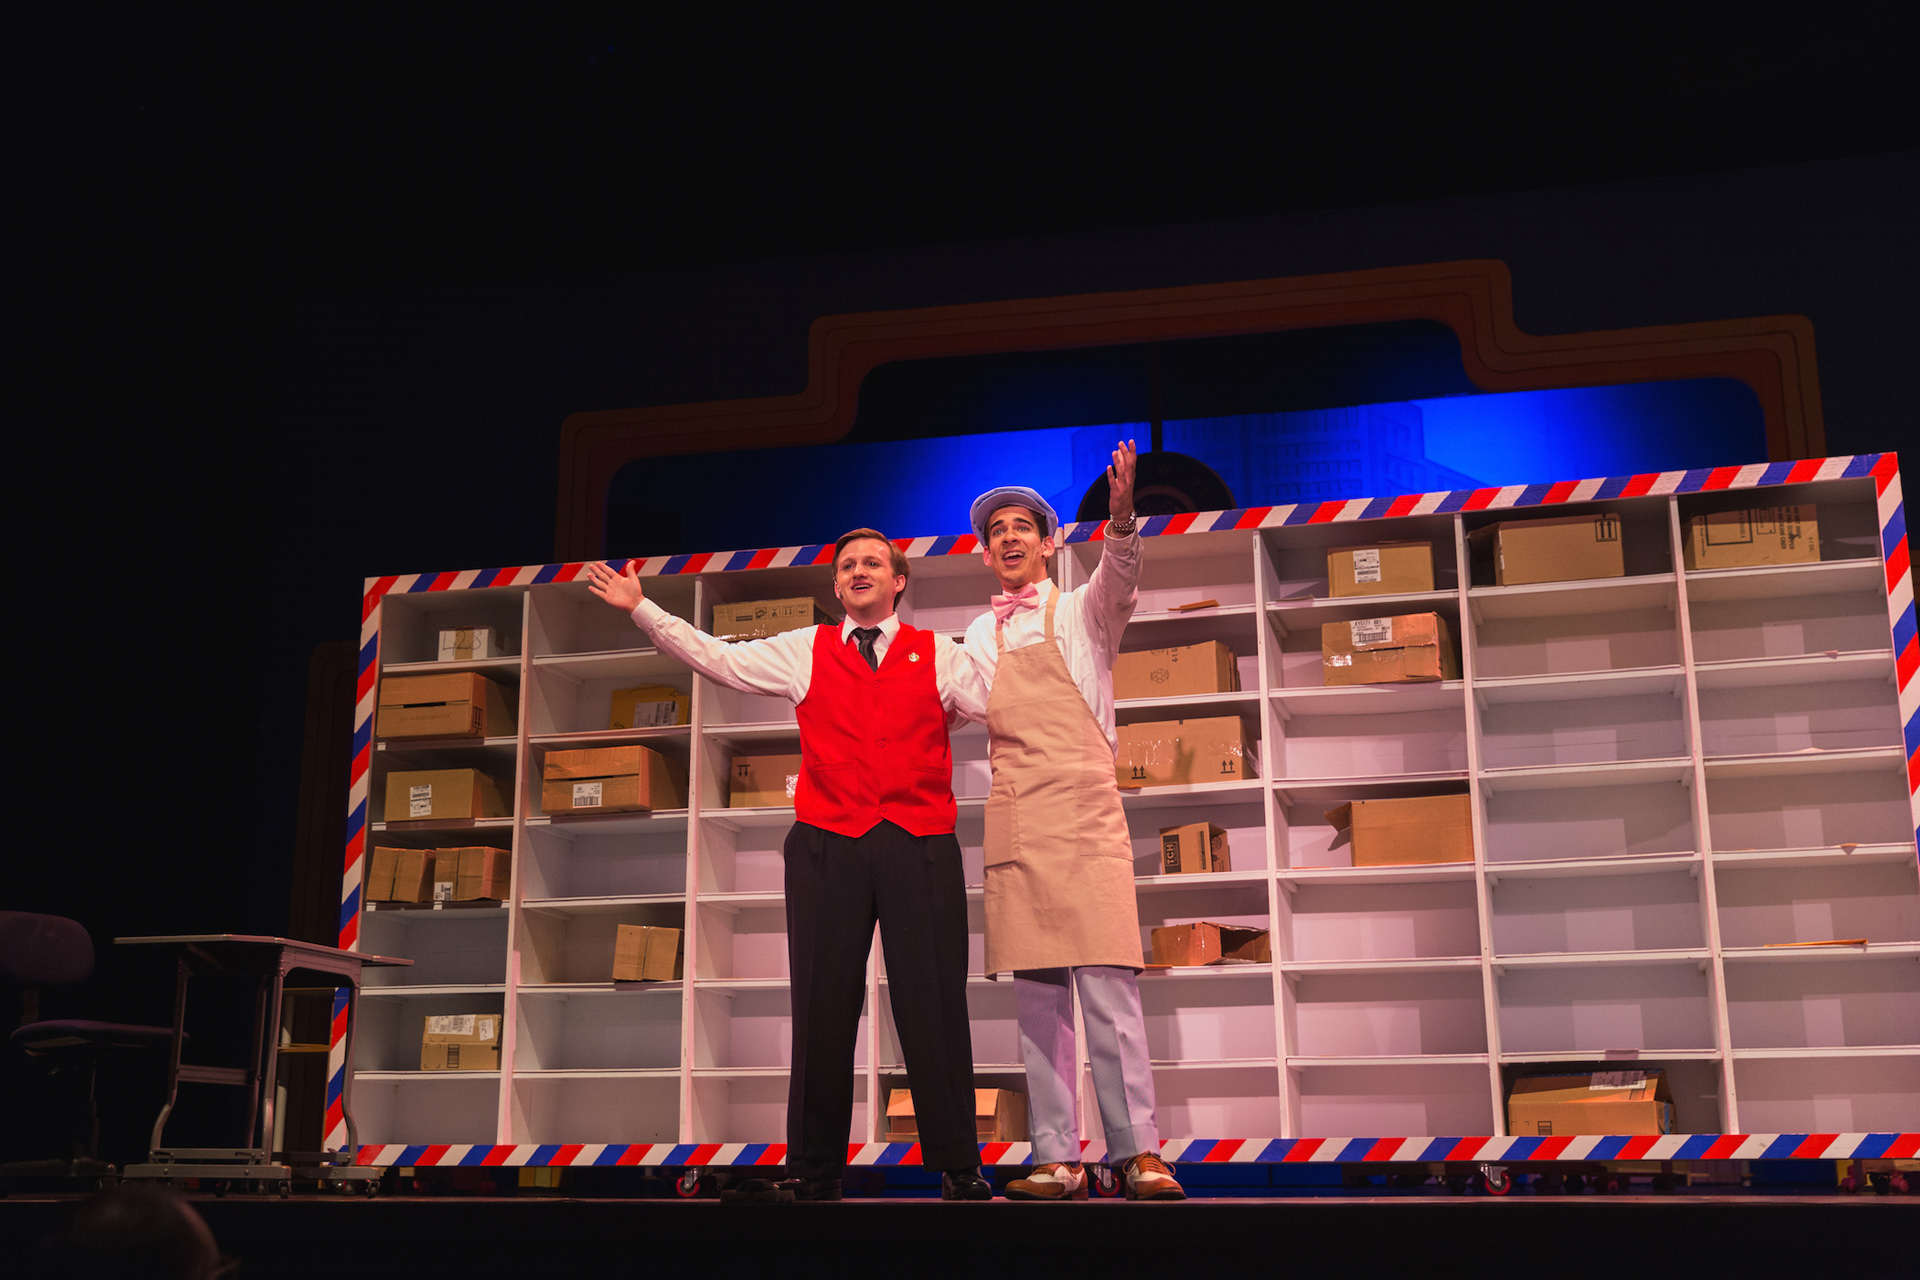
(1121, 526)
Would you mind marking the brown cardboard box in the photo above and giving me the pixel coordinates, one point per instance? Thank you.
(646, 953)
(999, 1115)
(631, 779)
(1635, 1101)
(648, 706)
(1196, 847)
(461, 1042)
(1181, 671)
(1558, 550)
(464, 644)
(480, 872)
(378, 884)
(1380, 569)
(1164, 753)
(1204, 942)
(443, 794)
(413, 875)
(1753, 536)
(1409, 648)
(758, 619)
(458, 704)
(1410, 829)
(756, 781)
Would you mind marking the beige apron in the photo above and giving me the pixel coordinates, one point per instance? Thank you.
(1059, 861)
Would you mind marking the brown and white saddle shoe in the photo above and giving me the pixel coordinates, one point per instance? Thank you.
(1051, 1182)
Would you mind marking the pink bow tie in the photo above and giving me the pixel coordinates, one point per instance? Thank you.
(1005, 606)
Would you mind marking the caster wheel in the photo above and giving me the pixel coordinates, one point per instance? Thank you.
(285, 1188)
(1102, 1181)
(1882, 1183)
(1899, 1182)
(1613, 1184)
(220, 1188)
(370, 1188)
(687, 1185)
(1495, 1181)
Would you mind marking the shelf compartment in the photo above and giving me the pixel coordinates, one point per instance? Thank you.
(585, 859)
(596, 1028)
(1191, 1022)
(1658, 911)
(1761, 904)
(1795, 803)
(1560, 629)
(1786, 581)
(742, 1106)
(1306, 838)
(575, 695)
(1838, 855)
(459, 948)
(1194, 1099)
(1234, 625)
(741, 942)
(427, 1106)
(410, 622)
(1242, 817)
(613, 1107)
(1831, 613)
(1620, 728)
(1400, 1014)
(566, 619)
(1371, 699)
(742, 859)
(386, 1033)
(1602, 811)
(1801, 1003)
(1414, 742)
(1294, 654)
(1418, 920)
(1594, 1006)
(1837, 1094)
(1338, 1101)
(1580, 685)
(738, 1028)
(1296, 556)
(1832, 715)
(1773, 673)
(575, 945)
(993, 1017)
(1182, 570)
(489, 755)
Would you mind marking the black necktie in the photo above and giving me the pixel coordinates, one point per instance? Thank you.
(865, 636)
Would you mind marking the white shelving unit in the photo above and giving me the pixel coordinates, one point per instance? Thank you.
(1670, 773)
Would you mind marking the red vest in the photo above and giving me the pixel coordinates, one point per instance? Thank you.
(873, 744)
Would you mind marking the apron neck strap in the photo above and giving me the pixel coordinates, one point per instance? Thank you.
(1000, 628)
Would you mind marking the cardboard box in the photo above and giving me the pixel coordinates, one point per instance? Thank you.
(1196, 847)
(758, 619)
(377, 885)
(646, 953)
(1557, 550)
(464, 644)
(1411, 829)
(1752, 536)
(1634, 1101)
(1380, 569)
(999, 1115)
(1204, 942)
(458, 704)
(1181, 671)
(1409, 648)
(648, 706)
(1164, 753)
(413, 872)
(443, 794)
(755, 781)
(480, 873)
(461, 1042)
(631, 779)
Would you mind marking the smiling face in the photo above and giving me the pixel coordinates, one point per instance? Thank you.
(1015, 551)
(864, 580)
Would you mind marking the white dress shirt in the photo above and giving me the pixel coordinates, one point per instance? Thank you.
(1087, 624)
(782, 665)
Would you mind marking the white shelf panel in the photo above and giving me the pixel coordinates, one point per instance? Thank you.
(1603, 959)
(747, 818)
(508, 665)
(1863, 1051)
(411, 912)
(1557, 777)
(1212, 972)
(1163, 797)
(568, 990)
(611, 662)
(1828, 577)
(613, 737)
(599, 905)
(596, 1073)
(1829, 955)
(410, 1077)
(613, 824)
(1307, 968)
(1359, 782)
(1201, 880)
(727, 985)
(1215, 1064)
(1312, 611)
(1232, 624)
(1583, 684)
(743, 1073)
(428, 825)
(1196, 704)
(439, 989)
(1772, 673)
(1559, 599)
(1813, 760)
(503, 744)
(1557, 869)
(1412, 873)
(1614, 1055)
(1297, 1062)
(1840, 855)
(736, 901)
(1370, 699)
(764, 731)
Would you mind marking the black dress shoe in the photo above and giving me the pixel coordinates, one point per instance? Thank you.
(965, 1184)
(811, 1188)
(756, 1191)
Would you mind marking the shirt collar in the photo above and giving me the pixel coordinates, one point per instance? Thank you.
(889, 628)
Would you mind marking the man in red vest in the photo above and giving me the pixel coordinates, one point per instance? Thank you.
(874, 840)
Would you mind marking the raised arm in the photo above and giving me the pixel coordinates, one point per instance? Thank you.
(779, 665)
(1112, 590)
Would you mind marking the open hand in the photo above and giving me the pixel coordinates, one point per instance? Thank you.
(621, 590)
(1120, 480)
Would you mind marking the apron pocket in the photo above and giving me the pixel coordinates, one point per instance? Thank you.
(1102, 822)
(1002, 842)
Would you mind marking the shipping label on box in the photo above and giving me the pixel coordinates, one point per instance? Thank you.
(1385, 568)
(1182, 671)
(1753, 536)
(646, 953)
(1563, 549)
(1204, 942)
(757, 781)
(1408, 648)
(461, 1042)
(1196, 847)
(648, 706)
(1404, 830)
(465, 644)
(458, 704)
(758, 619)
(1595, 1102)
(999, 1115)
(631, 779)
(444, 795)
(1165, 753)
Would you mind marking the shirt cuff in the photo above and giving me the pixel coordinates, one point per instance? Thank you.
(647, 615)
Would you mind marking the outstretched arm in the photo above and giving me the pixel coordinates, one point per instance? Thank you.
(621, 590)
(781, 665)
(1112, 589)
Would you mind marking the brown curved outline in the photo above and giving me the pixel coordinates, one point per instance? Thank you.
(1774, 355)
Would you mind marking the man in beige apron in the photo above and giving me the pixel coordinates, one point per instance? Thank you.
(1059, 863)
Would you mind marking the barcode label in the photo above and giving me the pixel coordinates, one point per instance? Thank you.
(655, 715)
(443, 891)
(451, 1024)
(1371, 630)
(1617, 1080)
(420, 801)
(586, 795)
(1366, 565)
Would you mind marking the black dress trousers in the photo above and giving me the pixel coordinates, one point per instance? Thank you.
(837, 887)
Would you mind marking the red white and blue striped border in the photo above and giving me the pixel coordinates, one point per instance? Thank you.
(1882, 467)
(1513, 1150)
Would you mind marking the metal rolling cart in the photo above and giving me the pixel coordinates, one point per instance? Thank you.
(252, 1163)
